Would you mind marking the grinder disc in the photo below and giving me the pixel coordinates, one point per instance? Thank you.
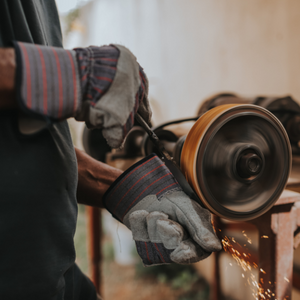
(237, 158)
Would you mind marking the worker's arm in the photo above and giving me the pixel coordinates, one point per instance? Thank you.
(103, 86)
(94, 178)
(7, 78)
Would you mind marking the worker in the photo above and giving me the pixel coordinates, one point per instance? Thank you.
(42, 176)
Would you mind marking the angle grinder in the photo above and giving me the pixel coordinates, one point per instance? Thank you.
(235, 160)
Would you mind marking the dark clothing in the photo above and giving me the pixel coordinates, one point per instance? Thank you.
(31, 21)
(38, 181)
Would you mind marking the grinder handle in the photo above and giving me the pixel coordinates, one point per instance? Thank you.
(153, 137)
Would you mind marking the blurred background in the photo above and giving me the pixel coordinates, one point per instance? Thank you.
(189, 51)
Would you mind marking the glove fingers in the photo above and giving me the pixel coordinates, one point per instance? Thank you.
(138, 225)
(195, 219)
(205, 235)
(171, 233)
(188, 252)
(151, 253)
(152, 220)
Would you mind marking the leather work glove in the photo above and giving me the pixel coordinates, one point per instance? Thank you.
(166, 224)
(103, 86)
(113, 68)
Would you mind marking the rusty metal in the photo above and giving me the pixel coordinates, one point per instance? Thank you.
(275, 253)
(94, 236)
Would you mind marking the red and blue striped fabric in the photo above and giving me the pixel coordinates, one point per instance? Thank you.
(149, 176)
(97, 68)
(153, 253)
(47, 80)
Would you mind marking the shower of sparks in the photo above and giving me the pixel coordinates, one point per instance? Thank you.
(243, 260)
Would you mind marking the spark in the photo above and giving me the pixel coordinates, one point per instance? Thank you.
(264, 237)
(248, 239)
(242, 260)
(286, 279)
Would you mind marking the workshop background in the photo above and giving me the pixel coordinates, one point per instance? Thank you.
(189, 50)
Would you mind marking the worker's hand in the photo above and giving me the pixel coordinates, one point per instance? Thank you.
(114, 88)
(104, 86)
(166, 224)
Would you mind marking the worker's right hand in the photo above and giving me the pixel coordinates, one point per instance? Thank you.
(166, 224)
(104, 86)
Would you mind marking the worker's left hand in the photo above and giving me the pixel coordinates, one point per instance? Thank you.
(166, 224)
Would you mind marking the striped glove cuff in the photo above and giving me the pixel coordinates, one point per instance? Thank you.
(47, 81)
(149, 176)
(97, 68)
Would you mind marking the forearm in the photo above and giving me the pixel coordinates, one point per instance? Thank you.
(94, 178)
(7, 78)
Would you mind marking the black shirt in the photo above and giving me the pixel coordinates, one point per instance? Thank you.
(38, 181)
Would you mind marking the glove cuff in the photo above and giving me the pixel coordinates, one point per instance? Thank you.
(47, 81)
(97, 68)
(149, 176)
